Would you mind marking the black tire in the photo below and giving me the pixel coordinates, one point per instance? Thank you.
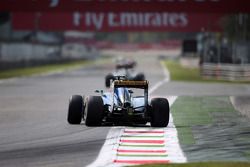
(108, 79)
(140, 77)
(75, 110)
(160, 112)
(94, 111)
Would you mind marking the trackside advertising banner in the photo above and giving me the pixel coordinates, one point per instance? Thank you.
(117, 21)
(202, 6)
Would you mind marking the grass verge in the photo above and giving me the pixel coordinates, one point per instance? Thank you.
(201, 164)
(194, 111)
(180, 73)
(41, 69)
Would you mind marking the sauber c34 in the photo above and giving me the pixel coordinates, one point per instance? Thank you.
(121, 105)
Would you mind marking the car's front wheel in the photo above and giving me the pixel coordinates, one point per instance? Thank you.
(75, 110)
(94, 111)
(160, 112)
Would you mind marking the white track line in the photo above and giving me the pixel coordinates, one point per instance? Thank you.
(109, 152)
(158, 84)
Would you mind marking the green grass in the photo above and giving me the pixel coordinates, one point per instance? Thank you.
(41, 69)
(194, 111)
(201, 164)
(180, 73)
(185, 135)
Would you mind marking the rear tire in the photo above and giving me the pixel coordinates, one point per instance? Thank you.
(75, 110)
(160, 112)
(94, 111)
(108, 79)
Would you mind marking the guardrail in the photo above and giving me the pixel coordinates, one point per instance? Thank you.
(232, 72)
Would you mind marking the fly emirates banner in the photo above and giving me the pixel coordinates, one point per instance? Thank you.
(117, 21)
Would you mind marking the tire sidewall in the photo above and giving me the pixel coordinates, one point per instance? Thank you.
(94, 111)
(160, 112)
(75, 109)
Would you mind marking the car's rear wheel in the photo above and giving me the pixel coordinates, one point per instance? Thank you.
(75, 110)
(160, 112)
(108, 79)
(94, 111)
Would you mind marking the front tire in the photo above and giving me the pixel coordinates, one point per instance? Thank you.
(160, 112)
(94, 111)
(75, 110)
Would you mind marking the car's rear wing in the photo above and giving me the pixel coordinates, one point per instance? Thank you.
(131, 84)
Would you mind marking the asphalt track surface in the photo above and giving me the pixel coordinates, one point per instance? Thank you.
(33, 112)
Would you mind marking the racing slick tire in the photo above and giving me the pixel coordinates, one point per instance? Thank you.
(75, 110)
(108, 80)
(94, 111)
(160, 112)
(140, 77)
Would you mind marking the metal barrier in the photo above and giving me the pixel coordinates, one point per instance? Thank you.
(232, 72)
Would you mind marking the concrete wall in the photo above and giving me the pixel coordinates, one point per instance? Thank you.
(15, 52)
(78, 51)
(18, 55)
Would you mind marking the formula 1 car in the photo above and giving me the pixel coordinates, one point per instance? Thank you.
(124, 68)
(119, 106)
(125, 63)
(129, 74)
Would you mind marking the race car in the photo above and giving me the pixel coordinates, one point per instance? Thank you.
(128, 73)
(125, 68)
(125, 63)
(121, 105)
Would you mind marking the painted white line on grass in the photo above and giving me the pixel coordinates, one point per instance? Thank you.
(129, 146)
